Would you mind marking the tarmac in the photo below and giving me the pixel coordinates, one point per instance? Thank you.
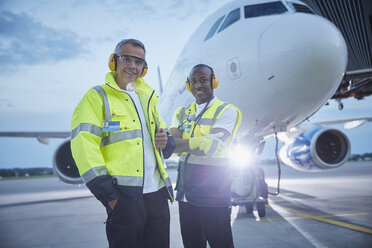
(327, 209)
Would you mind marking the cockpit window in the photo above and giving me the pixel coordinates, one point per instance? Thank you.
(300, 8)
(264, 9)
(232, 17)
(214, 28)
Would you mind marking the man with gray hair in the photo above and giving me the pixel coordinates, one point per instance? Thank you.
(118, 143)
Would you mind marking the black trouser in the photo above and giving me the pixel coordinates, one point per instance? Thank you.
(141, 222)
(202, 224)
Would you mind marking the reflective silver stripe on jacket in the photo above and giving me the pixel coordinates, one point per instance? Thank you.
(212, 121)
(88, 127)
(206, 121)
(135, 181)
(213, 148)
(181, 115)
(203, 121)
(218, 111)
(116, 137)
(129, 180)
(204, 160)
(93, 173)
(106, 105)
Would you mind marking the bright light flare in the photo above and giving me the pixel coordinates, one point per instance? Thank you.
(241, 156)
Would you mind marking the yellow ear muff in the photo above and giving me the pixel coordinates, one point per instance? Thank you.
(112, 62)
(188, 84)
(144, 71)
(214, 81)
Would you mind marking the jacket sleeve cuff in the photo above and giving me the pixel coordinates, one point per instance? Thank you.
(168, 150)
(103, 189)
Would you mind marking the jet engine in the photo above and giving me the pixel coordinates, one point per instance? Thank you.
(64, 165)
(316, 149)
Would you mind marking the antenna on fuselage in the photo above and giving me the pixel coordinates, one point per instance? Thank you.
(160, 82)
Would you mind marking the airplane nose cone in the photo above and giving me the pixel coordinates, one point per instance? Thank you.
(307, 51)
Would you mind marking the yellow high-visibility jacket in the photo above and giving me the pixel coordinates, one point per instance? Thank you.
(106, 139)
(203, 180)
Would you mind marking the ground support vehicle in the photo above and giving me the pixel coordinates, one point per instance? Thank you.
(249, 189)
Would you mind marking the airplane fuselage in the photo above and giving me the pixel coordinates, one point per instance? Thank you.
(278, 69)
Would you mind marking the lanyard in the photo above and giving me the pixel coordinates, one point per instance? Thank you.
(199, 116)
(196, 122)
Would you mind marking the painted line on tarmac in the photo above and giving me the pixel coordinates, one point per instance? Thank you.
(334, 222)
(323, 216)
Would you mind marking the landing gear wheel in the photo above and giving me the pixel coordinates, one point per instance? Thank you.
(249, 208)
(261, 209)
(264, 192)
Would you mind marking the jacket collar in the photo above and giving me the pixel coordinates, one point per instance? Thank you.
(213, 101)
(139, 85)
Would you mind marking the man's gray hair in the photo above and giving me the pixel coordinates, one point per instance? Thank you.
(133, 42)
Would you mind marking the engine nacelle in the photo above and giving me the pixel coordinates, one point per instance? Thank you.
(64, 165)
(316, 149)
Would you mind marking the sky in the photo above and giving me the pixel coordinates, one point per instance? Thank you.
(52, 52)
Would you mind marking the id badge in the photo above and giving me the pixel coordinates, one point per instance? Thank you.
(187, 128)
(109, 126)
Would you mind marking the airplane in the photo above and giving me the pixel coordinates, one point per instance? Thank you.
(278, 62)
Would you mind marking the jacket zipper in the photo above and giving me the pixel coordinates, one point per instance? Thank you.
(143, 149)
(148, 116)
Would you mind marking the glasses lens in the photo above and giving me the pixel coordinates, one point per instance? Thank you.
(127, 59)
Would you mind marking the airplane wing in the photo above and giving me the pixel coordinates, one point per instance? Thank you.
(63, 164)
(348, 123)
(42, 137)
(36, 134)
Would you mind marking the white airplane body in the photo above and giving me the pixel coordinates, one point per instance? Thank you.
(278, 69)
(277, 63)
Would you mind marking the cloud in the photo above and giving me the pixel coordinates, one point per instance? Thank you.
(6, 103)
(24, 40)
(158, 9)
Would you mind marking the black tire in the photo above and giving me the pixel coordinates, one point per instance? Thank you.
(264, 191)
(261, 209)
(249, 208)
